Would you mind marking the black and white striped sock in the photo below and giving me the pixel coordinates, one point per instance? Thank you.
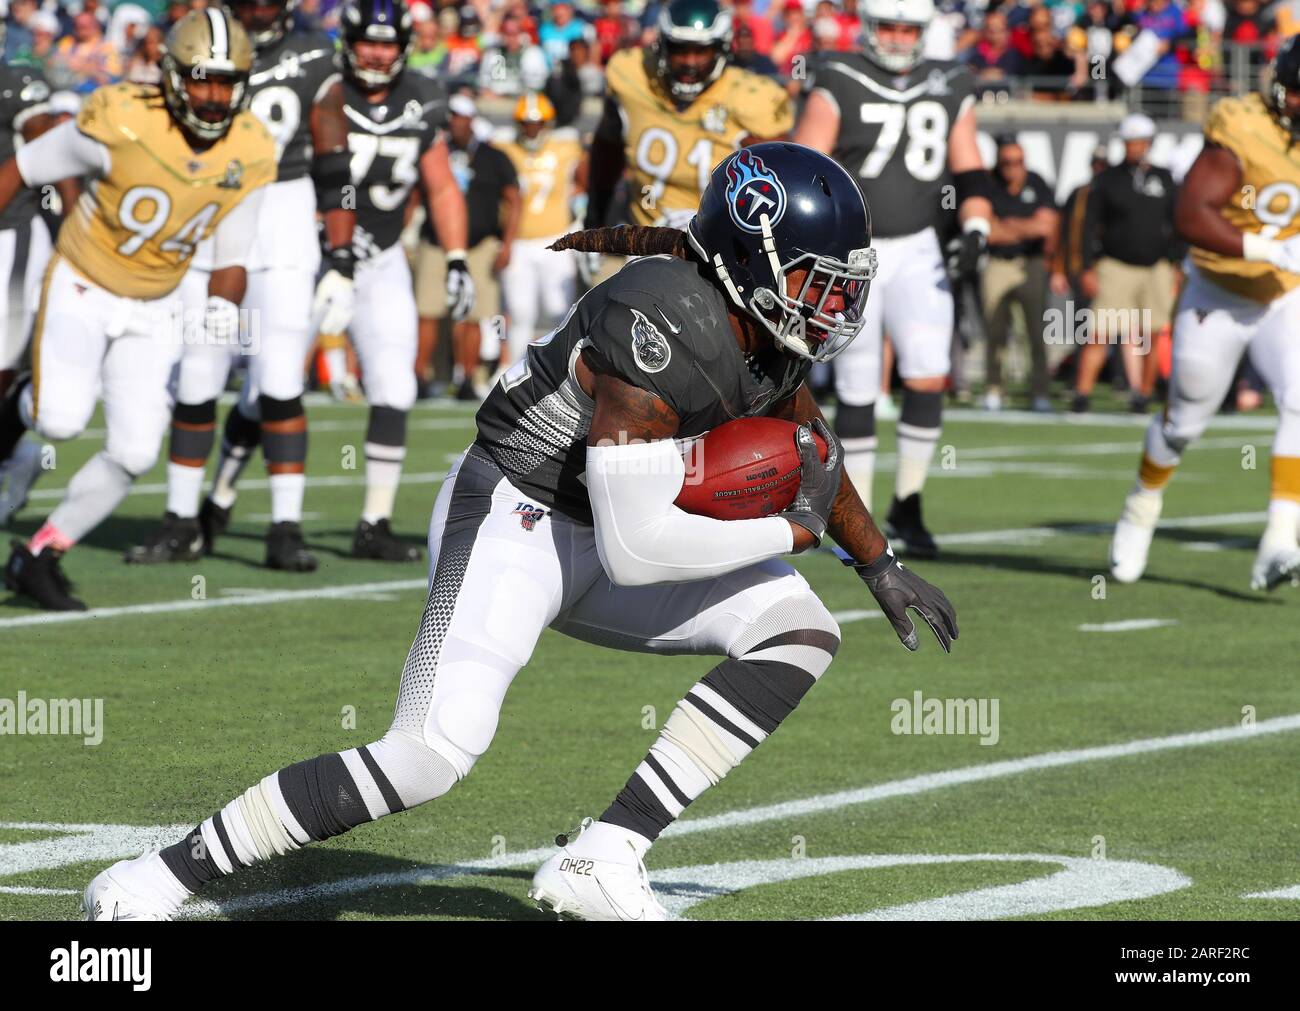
(732, 710)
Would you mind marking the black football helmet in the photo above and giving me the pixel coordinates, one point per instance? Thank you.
(691, 23)
(1284, 76)
(262, 30)
(775, 208)
(375, 21)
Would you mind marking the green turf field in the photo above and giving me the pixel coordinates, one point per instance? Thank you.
(1123, 783)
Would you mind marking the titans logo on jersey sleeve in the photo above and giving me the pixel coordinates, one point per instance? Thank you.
(649, 347)
(754, 191)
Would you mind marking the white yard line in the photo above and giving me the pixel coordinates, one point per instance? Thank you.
(807, 807)
(1131, 625)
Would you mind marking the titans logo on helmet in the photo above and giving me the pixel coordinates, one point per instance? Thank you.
(752, 191)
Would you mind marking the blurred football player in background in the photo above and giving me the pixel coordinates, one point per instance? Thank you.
(561, 515)
(25, 113)
(1239, 207)
(672, 112)
(110, 319)
(538, 282)
(294, 90)
(902, 124)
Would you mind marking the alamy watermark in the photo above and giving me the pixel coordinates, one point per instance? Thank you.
(932, 716)
(1085, 325)
(26, 716)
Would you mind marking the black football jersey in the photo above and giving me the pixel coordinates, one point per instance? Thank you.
(894, 133)
(661, 325)
(23, 93)
(288, 78)
(386, 140)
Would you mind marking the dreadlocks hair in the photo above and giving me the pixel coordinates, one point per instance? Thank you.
(626, 240)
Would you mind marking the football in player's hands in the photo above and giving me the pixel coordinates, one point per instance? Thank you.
(745, 469)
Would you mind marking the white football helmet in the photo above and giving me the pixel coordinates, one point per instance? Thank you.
(909, 12)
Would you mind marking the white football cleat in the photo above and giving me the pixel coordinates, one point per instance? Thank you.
(108, 896)
(1274, 567)
(17, 475)
(1134, 531)
(584, 887)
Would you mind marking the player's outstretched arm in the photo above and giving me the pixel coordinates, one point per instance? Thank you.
(634, 473)
(896, 589)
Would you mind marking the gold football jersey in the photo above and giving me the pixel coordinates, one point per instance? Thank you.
(546, 182)
(134, 230)
(1267, 202)
(672, 152)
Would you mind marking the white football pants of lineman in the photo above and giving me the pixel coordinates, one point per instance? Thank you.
(1213, 328)
(16, 320)
(911, 300)
(537, 284)
(89, 343)
(277, 305)
(385, 329)
(502, 571)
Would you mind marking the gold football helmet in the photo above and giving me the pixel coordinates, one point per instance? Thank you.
(205, 72)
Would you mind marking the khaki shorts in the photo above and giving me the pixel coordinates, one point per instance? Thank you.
(1123, 288)
(431, 281)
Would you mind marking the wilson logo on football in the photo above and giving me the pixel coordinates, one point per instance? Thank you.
(752, 191)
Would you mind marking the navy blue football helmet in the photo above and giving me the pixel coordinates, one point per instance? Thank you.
(775, 208)
(375, 21)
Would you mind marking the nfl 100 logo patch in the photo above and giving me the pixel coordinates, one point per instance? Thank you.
(529, 515)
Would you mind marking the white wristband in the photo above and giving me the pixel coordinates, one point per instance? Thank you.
(980, 225)
(456, 254)
(1255, 247)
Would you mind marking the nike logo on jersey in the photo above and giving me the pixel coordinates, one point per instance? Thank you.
(667, 321)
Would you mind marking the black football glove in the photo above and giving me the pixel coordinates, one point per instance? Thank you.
(897, 589)
(966, 252)
(818, 482)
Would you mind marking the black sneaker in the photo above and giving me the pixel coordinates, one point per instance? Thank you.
(465, 392)
(1081, 404)
(376, 540)
(213, 520)
(1138, 404)
(904, 523)
(40, 578)
(175, 540)
(285, 549)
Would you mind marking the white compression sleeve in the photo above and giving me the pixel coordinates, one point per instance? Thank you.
(643, 538)
(61, 153)
(233, 239)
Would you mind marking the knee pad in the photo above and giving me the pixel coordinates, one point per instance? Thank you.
(414, 771)
(796, 629)
(132, 457)
(463, 720)
(55, 422)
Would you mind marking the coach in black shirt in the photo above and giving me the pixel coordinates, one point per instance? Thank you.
(487, 177)
(1022, 237)
(1130, 211)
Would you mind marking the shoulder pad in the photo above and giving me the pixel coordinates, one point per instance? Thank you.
(645, 337)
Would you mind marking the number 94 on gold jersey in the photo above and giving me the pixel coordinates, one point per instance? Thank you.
(135, 228)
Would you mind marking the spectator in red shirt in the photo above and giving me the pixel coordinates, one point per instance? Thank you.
(795, 38)
(760, 27)
(611, 30)
(993, 57)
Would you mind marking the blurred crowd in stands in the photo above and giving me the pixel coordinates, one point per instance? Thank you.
(1177, 52)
